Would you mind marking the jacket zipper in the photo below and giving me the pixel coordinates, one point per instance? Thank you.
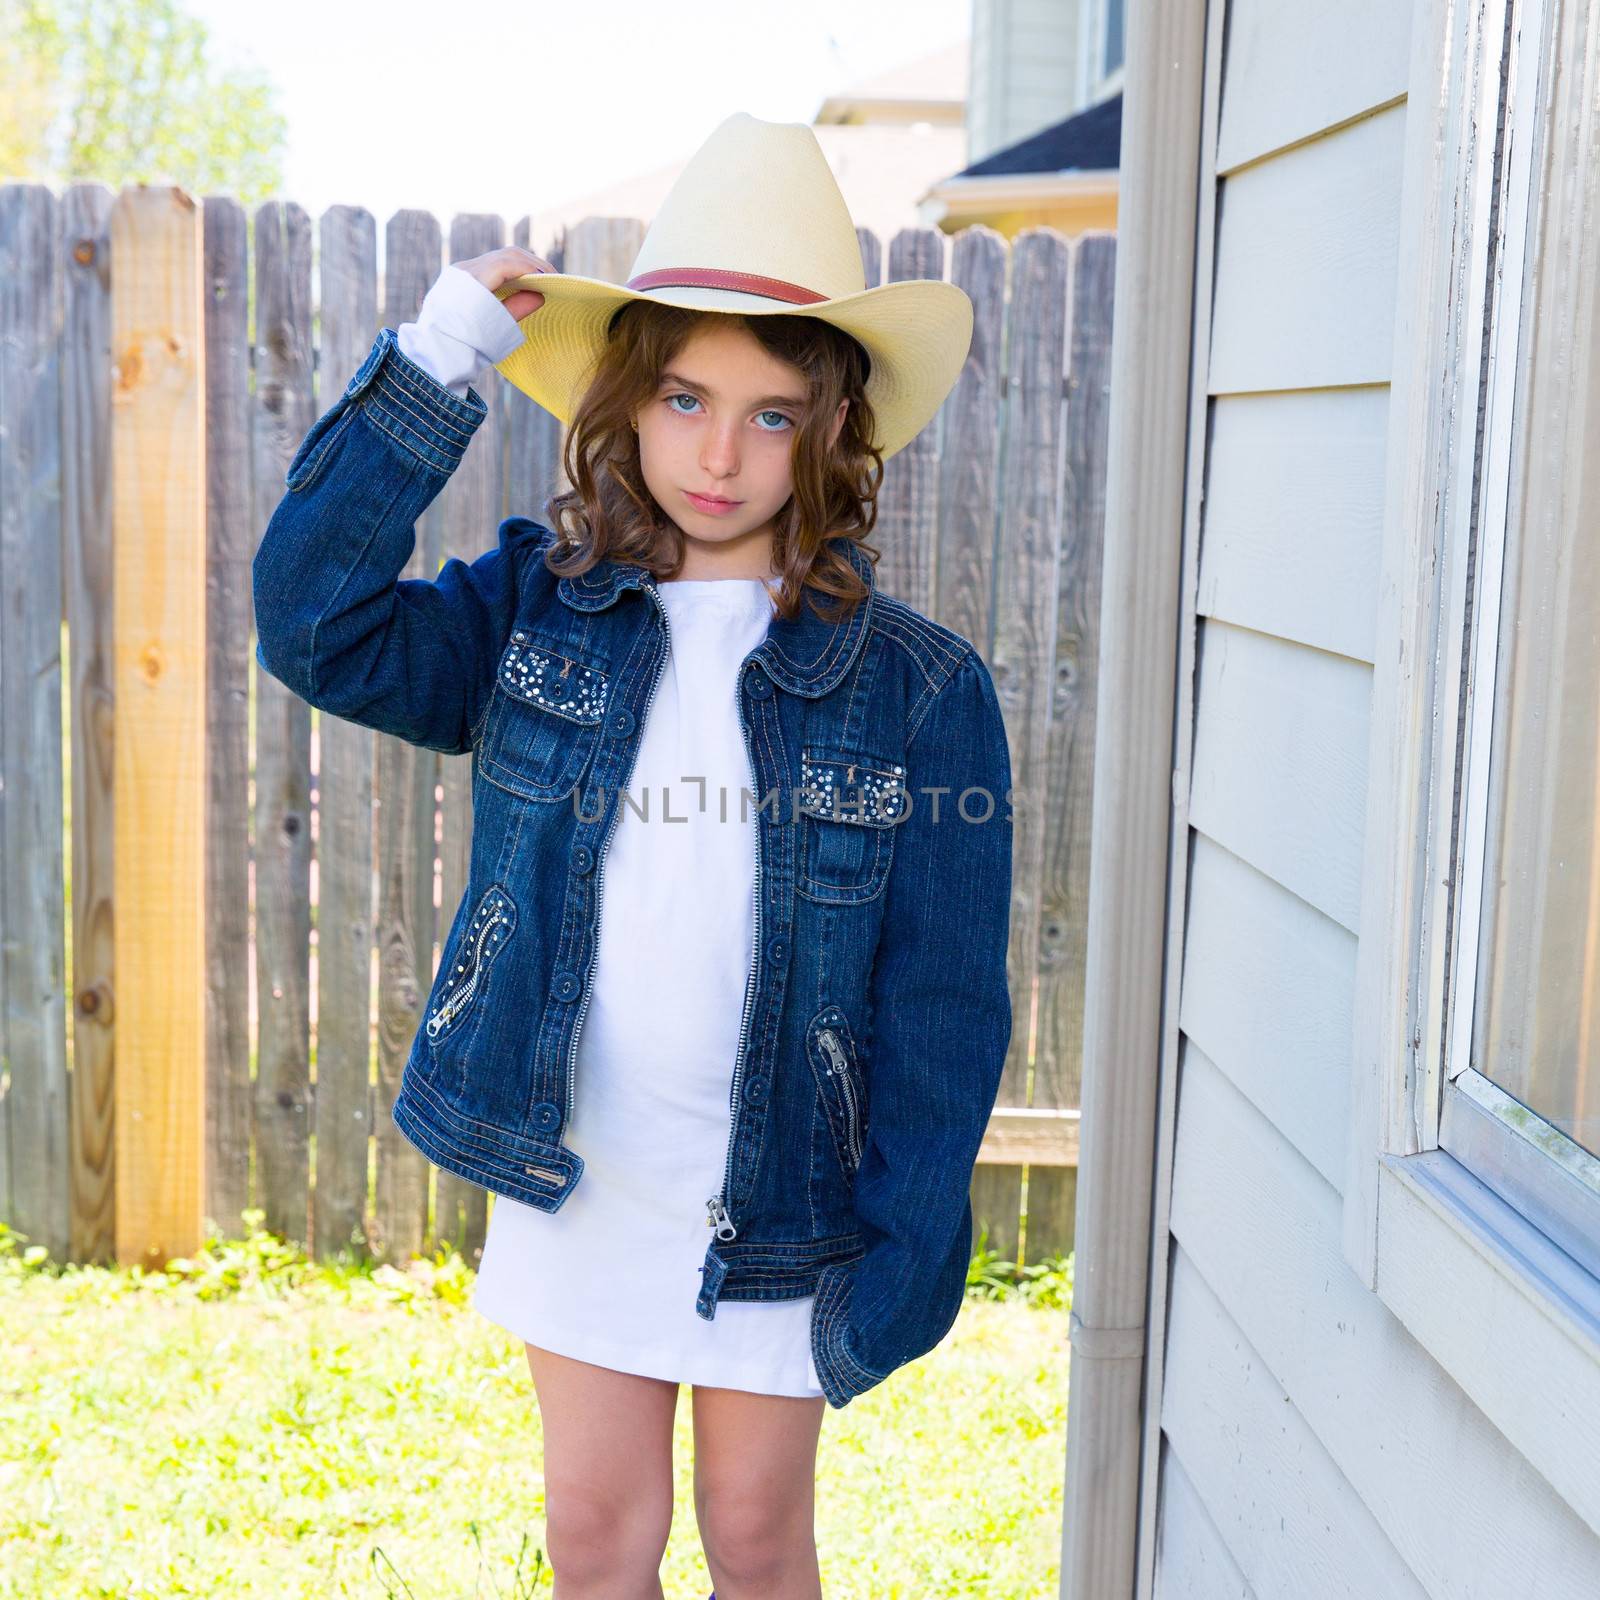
(605, 845)
(452, 1007)
(717, 1205)
(836, 1065)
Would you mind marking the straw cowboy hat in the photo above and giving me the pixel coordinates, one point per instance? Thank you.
(755, 224)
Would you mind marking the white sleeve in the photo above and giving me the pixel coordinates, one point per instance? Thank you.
(461, 328)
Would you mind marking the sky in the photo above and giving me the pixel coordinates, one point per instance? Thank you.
(511, 109)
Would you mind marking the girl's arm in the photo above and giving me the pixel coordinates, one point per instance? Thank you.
(410, 657)
(940, 1028)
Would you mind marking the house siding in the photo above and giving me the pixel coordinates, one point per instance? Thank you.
(1309, 1445)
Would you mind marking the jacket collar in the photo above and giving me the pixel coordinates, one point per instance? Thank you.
(806, 656)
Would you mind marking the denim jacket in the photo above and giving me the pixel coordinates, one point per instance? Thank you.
(876, 1014)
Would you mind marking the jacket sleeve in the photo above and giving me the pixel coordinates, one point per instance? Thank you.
(939, 1029)
(334, 620)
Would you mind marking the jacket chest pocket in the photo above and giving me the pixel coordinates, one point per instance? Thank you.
(848, 810)
(544, 720)
(841, 1086)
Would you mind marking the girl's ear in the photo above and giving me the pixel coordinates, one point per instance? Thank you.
(838, 421)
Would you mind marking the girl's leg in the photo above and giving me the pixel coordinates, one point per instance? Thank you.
(755, 1462)
(607, 1476)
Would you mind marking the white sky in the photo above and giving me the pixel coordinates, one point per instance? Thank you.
(512, 109)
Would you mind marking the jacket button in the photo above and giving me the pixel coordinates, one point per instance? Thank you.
(620, 722)
(546, 1114)
(566, 986)
(556, 689)
(757, 684)
(756, 1089)
(777, 950)
(582, 858)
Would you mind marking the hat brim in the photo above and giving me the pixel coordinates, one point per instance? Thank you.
(917, 331)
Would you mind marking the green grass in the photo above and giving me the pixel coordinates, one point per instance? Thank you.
(248, 1423)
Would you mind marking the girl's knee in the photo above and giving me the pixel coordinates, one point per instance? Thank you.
(595, 1538)
(752, 1537)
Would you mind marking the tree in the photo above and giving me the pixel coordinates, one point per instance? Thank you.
(122, 91)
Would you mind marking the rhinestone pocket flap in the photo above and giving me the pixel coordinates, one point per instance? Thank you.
(544, 677)
(544, 720)
(842, 790)
(848, 810)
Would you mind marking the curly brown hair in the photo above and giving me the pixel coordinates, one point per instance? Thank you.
(609, 513)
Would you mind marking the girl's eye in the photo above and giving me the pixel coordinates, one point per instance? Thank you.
(783, 419)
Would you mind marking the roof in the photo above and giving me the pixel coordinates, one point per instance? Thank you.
(1089, 141)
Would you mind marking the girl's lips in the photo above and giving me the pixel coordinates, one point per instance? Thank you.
(701, 503)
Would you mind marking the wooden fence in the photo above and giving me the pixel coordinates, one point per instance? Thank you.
(251, 920)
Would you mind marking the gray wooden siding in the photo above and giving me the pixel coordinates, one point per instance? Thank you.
(1309, 1445)
(1024, 70)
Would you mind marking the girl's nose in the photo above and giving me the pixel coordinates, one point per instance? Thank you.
(721, 454)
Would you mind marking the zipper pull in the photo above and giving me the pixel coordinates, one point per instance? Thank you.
(719, 1218)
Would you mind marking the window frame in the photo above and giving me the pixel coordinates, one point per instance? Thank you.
(1097, 82)
(1513, 1318)
(1536, 1168)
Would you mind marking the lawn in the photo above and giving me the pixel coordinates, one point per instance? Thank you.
(248, 1424)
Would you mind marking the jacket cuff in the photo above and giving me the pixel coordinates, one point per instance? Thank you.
(840, 1376)
(462, 328)
(413, 407)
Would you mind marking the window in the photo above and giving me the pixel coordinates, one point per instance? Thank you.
(1512, 1081)
(1112, 58)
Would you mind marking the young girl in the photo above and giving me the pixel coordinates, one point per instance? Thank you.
(806, 1022)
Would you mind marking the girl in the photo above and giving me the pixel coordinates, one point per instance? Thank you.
(728, 421)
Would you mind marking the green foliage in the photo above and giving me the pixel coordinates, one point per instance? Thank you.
(1046, 1283)
(245, 1422)
(124, 91)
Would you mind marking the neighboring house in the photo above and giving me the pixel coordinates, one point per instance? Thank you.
(1063, 177)
(1044, 120)
(1336, 1328)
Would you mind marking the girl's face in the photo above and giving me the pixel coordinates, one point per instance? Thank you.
(722, 423)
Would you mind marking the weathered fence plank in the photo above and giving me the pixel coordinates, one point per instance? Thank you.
(37, 1166)
(88, 554)
(347, 297)
(230, 544)
(284, 410)
(532, 435)
(908, 502)
(407, 775)
(961, 572)
(472, 516)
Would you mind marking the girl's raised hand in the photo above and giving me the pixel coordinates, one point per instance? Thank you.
(500, 266)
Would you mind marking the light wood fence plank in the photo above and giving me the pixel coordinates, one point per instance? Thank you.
(159, 623)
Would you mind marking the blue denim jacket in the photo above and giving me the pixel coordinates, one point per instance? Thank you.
(876, 1016)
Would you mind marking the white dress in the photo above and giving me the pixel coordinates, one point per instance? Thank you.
(612, 1276)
